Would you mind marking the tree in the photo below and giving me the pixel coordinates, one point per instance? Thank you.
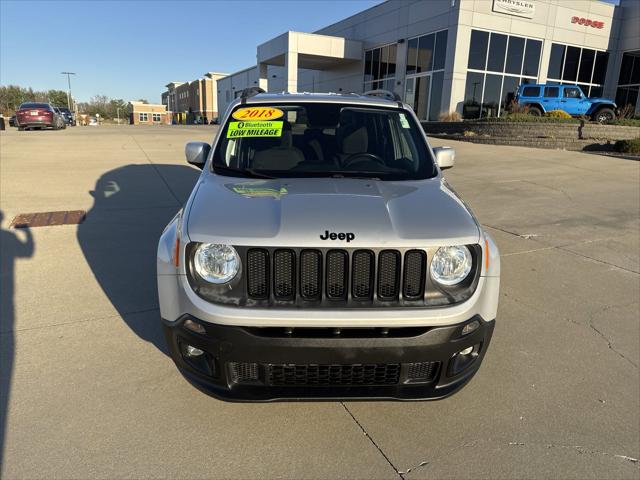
(142, 100)
(57, 98)
(116, 105)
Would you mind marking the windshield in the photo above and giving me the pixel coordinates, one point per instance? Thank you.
(322, 140)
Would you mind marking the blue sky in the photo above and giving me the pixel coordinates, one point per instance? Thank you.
(130, 50)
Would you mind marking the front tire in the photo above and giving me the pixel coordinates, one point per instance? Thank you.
(605, 115)
(535, 111)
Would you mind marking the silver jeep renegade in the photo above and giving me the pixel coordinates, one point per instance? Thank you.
(322, 254)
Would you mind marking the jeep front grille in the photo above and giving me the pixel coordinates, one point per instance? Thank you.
(335, 275)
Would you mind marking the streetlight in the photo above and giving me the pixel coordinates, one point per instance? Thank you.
(68, 74)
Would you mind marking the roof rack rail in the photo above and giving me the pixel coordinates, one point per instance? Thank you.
(250, 92)
(387, 94)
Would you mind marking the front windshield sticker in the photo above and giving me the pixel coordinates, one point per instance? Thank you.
(254, 129)
(257, 113)
(404, 122)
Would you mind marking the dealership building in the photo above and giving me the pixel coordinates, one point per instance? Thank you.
(467, 56)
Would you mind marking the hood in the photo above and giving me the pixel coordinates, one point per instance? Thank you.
(299, 212)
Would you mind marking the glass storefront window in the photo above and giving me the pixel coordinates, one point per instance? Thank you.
(586, 65)
(367, 66)
(583, 66)
(511, 61)
(422, 96)
(491, 97)
(391, 61)
(437, 79)
(380, 68)
(478, 50)
(440, 54)
(600, 70)
(571, 61)
(497, 50)
(509, 89)
(532, 58)
(515, 55)
(425, 53)
(629, 80)
(412, 55)
(556, 61)
(473, 95)
(426, 56)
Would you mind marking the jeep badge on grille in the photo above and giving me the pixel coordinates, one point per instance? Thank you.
(338, 236)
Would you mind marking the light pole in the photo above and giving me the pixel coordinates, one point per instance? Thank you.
(68, 74)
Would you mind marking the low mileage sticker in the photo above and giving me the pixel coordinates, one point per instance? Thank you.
(254, 129)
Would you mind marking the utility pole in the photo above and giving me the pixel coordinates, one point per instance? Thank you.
(68, 74)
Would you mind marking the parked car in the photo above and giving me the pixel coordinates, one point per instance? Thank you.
(38, 115)
(541, 98)
(69, 117)
(341, 265)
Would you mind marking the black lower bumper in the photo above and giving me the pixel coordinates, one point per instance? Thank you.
(266, 364)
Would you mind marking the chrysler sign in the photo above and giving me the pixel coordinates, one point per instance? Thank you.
(518, 8)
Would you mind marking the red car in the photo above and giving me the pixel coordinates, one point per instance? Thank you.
(38, 115)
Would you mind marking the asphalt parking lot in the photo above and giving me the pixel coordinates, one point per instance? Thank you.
(87, 389)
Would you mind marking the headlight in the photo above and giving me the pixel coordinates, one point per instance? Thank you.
(216, 263)
(451, 265)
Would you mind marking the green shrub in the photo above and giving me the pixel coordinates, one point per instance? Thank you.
(628, 122)
(628, 146)
(521, 117)
(557, 114)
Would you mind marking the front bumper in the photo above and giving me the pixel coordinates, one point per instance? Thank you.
(266, 364)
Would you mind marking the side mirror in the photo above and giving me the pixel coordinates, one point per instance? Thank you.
(445, 157)
(196, 153)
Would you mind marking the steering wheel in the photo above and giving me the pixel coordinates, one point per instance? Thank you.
(363, 156)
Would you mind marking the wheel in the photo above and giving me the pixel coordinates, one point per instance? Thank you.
(535, 111)
(605, 115)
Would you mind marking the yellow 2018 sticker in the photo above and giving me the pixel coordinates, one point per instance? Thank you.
(254, 129)
(257, 113)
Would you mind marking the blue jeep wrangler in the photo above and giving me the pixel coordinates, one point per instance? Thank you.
(542, 98)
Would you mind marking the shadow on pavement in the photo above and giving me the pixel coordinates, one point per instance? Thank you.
(119, 238)
(11, 248)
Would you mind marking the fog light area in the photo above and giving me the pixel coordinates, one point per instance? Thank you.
(463, 359)
(193, 351)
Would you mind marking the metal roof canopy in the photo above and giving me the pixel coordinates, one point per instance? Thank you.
(314, 52)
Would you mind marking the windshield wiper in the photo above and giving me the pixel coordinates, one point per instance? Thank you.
(245, 172)
(358, 176)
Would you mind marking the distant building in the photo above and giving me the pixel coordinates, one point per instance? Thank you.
(195, 101)
(148, 114)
